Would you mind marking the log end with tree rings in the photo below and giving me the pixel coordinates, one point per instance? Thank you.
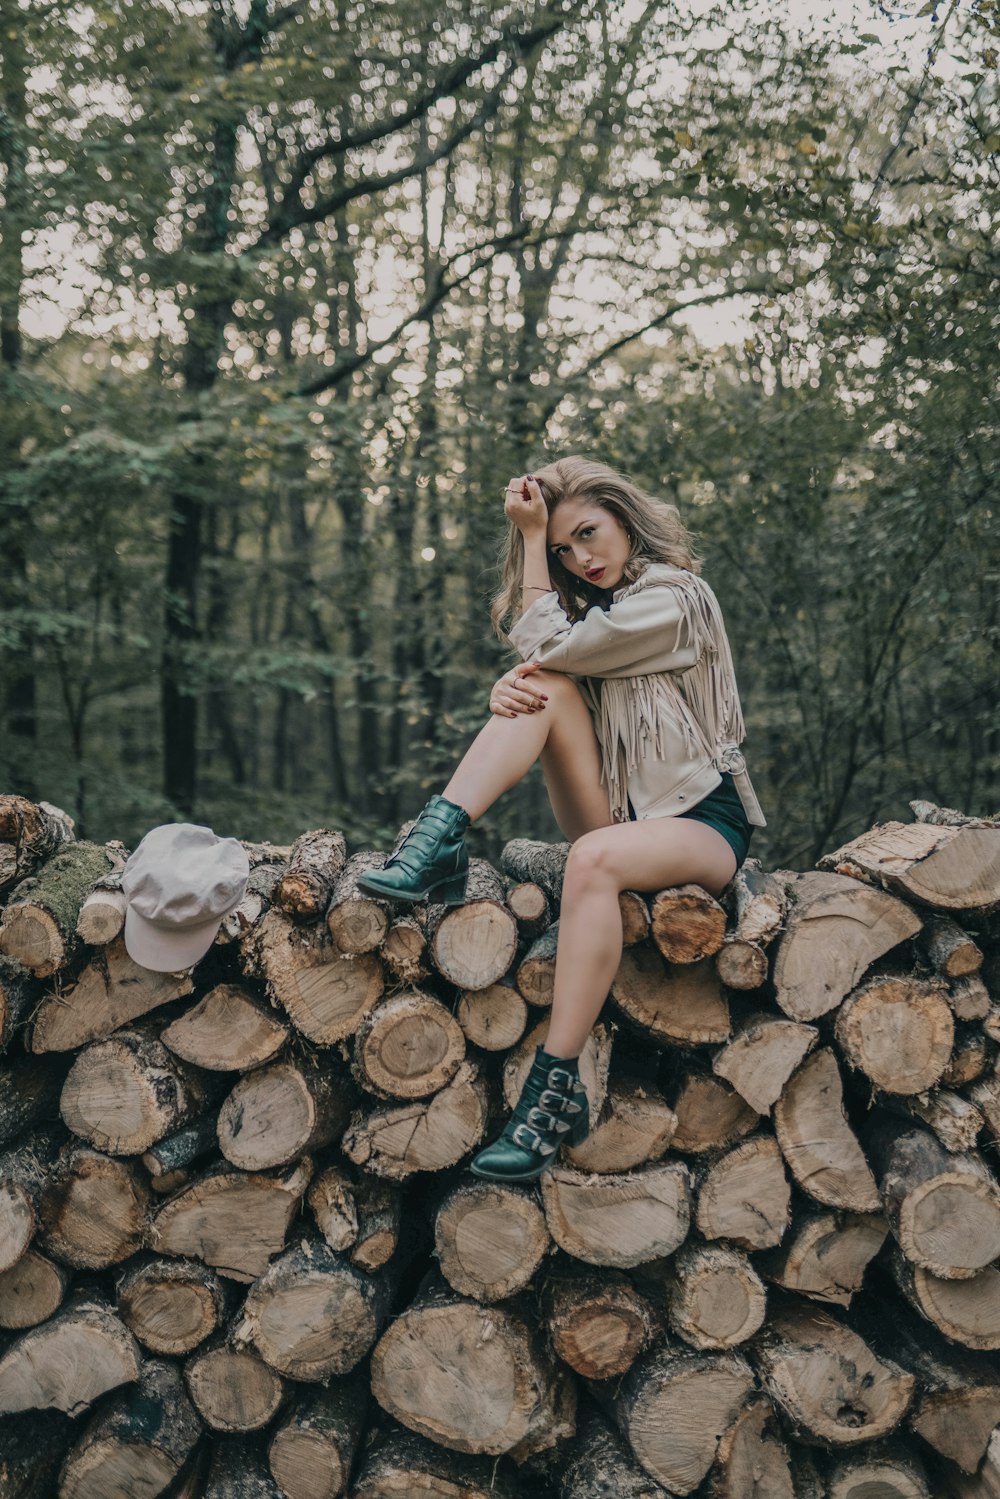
(170, 1305)
(227, 1031)
(425, 1135)
(493, 1018)
(231, 1388)
(324, 994)
(31, 1291)
(277, 1113)
(124, 1094)
(490, 1239)
(836, 929)
(827, 1379)
(687, 923)
(745, 1196)
(621, 1220)
(710, 1114)
(680, 1005)
(312, 1450)
(93, 1208)
(472, 1378)
(820, 1148)
(673, 1406)
(635, 1126)
(70, 1361)
(753, 1458)
(899, 1032)
(715, 1298)
(409, 1046)
(762, 1056)
(112, 991)
(826, 1255)
(473, 945)
(599, 1324)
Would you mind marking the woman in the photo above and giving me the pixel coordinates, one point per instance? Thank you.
(627, 695)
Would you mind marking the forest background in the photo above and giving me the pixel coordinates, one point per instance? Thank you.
(291, 288)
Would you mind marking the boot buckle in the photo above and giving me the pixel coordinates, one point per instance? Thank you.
(561, 1079)
(529, 1140)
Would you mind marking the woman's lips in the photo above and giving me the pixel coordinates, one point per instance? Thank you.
(597, 573)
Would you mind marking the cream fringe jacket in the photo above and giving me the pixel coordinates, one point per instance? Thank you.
(657, 674)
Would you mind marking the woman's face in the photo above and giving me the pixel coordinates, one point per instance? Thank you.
(589, 541)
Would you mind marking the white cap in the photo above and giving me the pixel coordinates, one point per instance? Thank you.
(180, 883)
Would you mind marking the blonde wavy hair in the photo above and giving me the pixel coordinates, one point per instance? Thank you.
(654, 526)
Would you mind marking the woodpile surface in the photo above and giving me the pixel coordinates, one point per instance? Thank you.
(241, 1254)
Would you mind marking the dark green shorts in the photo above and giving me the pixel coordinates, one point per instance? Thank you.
(722, 809)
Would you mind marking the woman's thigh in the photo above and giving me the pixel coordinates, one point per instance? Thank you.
(652, 854)
(571, 759)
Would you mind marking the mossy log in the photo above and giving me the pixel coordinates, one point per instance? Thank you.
(38, 926)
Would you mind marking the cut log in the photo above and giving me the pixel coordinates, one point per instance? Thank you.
(745, 1196)
(599, 1324)
(93, 1208)
(970, 1057)
(125, 1093)
(951, 950)
(310, 1314)
(594, 1061)
(473, 945)
(948, 817)
(173, 1153)
(620, 1220)
(232, 1389)
(530, 906)
(23, 1175)
(710, 1114)
(472, 1378)
(405, 950)
(427, 1135)
(753, 1461)
(29, 1095)
(535, 975)
(29, 833)
(494, 1018)
(282, 1111)
(969, 998)
(953, 1484)
(758, 902)
(954, 1120)
(324, 994)
(239, 1470)
(490, 1239)
(238, 926)
(967, 1311)
(761, 1057)
(312, 1450)
(531, 859)
(674, 1405)
(31, 1292)
(947, 868)
(137, 1444)
(836, 929)
(401, 1465)
(634, 1127)
(826, 1255)
(227, 1031)
(32, 1445)
(111, 992)
(409, 1046)
(379, 1209)
(687, 923)
(715, 1298)
(600, 1466)
(334, 1206)
(943, 1207)
(681, 1006)
(741, 965)
(898, 1031)
(38, 926)
(816, 1140)
(68, 1362)
(357, 922)
(891, 1470)
(314, 866)
(18, 998)
(634, 911)
(170, 1305)
(232, 1220)
(102, 915)
(827, 1379)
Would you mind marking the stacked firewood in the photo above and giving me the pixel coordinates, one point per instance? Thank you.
(241, 1254)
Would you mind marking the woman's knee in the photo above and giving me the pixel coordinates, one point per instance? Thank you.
(592, 860)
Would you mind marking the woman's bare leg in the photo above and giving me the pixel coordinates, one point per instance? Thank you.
(562, 735)
(649, 855)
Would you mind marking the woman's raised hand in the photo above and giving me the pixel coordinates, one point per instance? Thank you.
(523, 504)
(514, 694)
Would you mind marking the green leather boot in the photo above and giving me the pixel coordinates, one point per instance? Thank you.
(551, 1110)
(431, 863)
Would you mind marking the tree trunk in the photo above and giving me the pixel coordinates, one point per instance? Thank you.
(357, 922)
(688, 924)
(472, 945)
(635, 1126)
(426, 1135)
(762, 1056)
(68, 1362)
(816, 1140)
(682, 1006)
(324, 995)
(826, 1255)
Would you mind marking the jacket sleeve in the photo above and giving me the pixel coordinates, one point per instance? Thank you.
(647, 631)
